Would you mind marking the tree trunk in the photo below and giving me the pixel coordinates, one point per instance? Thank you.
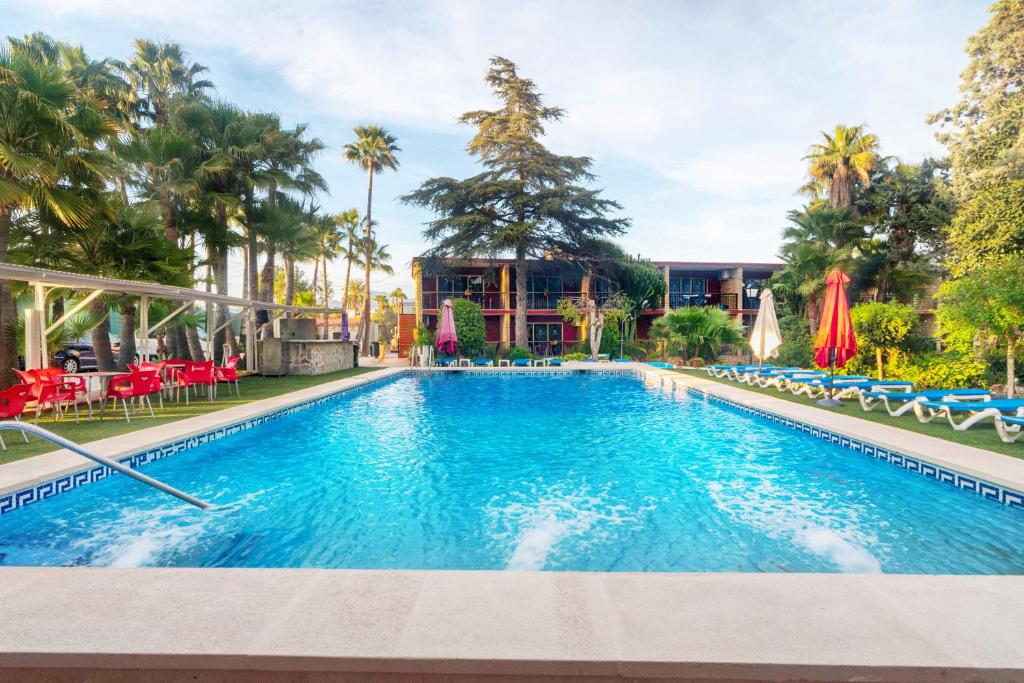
(101, 337)
(170, 224)
(813, 314)
(327, 288)
(246, 293)
(127, 352)
(878, 362)
(596, 328)
(522, 339)
(195, 344)
(251, 264)
(8, 310)
(1011, 368)
(289, 281)
(348, 272)
(364, 319)
(267, 274)
(316, 277)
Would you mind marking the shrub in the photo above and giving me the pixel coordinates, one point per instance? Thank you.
(941, 371)
(574, 356)
(517, 352)
(422, 336)
(697, 332)
(469, 327)
(883, 330)
(797, 349)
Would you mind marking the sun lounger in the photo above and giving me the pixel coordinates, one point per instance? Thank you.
(902, 402)
(969, 413)
(816, 385)
(482, 363)
(521, 363)
(851, 389)
(1009, 428)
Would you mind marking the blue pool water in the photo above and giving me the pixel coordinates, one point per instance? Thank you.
(562, 472)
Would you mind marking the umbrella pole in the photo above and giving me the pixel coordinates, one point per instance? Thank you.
(831, 402)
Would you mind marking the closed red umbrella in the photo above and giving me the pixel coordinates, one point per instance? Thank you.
(446, 337)
(836, 342)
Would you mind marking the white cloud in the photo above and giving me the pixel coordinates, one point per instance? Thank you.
(714, 103)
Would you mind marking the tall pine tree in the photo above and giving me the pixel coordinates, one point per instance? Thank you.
(528, 201)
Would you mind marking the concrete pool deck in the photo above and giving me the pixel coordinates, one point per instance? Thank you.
(111, 624)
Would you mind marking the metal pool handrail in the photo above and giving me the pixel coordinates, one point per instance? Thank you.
(46, 435)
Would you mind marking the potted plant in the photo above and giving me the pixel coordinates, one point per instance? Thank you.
(423, 340)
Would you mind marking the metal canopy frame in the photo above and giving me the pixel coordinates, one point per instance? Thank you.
(44, 280)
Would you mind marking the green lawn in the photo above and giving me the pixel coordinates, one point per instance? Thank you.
(979, 436)
(252, 389)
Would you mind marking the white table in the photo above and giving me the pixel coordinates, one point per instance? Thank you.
(104, 377)
(504, 363)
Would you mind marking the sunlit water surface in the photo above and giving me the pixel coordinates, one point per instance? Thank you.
(593, 472)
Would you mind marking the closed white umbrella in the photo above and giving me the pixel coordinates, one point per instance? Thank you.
(765, 336)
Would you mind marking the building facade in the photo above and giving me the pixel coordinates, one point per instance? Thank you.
(491, 284)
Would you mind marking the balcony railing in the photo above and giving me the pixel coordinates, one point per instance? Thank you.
(729, 302)
(486, 300)
(493, 300)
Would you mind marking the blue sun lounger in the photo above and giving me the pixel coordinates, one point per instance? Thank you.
(815, 385)
(902, 402)
(969, 413)
(482, 363)
(1009, 427)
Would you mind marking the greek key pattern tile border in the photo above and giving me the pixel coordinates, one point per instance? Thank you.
(985, 489)
(10, 502)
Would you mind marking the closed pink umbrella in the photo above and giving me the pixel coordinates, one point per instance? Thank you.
(447, 340)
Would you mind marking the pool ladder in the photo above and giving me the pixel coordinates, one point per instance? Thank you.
(46, 435)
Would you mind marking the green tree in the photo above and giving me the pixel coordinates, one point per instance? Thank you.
(348, 222)
(697, 332)
(50, 162)
(883, 328)
(991, 301)
(470, 327)
(989, 225)
(374, 149)
(163, 76)
(986, 125)
(527, 201)
(844, 158)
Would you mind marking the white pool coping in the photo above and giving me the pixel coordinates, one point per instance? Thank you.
(483, 624)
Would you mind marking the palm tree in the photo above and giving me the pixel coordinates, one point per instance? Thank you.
(356, 294)
(287, 156)
(50, 163)
(845, 157)
(161, 74)
(397, 297)
(296, 238)
(697, 332)
(374, 150)
(348, 221)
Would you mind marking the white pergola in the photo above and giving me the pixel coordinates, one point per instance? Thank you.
(43, 281)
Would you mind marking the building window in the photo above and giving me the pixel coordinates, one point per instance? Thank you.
(543, 291)
(545, 338)
(461, 287)
(685, 292)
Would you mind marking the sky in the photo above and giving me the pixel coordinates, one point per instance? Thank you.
(696, 114)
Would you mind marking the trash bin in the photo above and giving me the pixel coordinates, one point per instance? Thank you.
(375, 349)
(355, 355)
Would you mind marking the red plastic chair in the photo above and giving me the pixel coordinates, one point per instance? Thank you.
(57, 395)
(131, 386)
(12, 405)
(197, 375)
(36, 378)
(229, 373)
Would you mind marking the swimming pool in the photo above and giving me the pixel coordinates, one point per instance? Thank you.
(562, 471)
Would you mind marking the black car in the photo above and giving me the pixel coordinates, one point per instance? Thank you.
(79, 356)
(75, 357)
